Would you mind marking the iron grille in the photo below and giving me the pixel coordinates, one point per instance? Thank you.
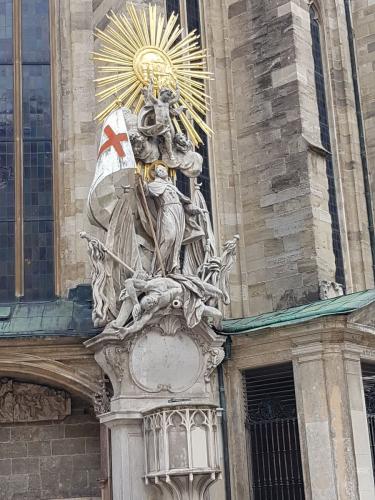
(272, 426)
(368, 374)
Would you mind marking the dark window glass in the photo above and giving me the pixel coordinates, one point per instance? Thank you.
(6, 31)
(183, 182)
(7, 218)
(194, 23)
(35, 31)
(36, 102)
(326, 142)
(173, 6)
(193, 16)
(37, 151)
(204, 178)
(368, 375)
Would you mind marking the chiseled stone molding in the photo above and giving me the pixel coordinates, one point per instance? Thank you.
(75, 377)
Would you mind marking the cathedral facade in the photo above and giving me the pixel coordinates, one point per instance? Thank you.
(283, 400)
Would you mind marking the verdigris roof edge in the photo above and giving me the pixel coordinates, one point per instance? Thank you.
(345, 304)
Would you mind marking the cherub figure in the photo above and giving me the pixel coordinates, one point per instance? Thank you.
(162, 108)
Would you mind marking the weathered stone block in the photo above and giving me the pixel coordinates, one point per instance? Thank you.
(13, 450)
(5, 467)
(82, 430)
(4, 434)
(70, 446)
(39, 449)
(86, 462)
(93, 445)
(25, 465)
(25, 433)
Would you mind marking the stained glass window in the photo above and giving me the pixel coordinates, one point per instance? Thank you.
(33, 176)
(7, 213)
(326, 143)
(37, 151)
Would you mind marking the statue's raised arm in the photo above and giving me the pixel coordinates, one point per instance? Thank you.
(176, 97)
(148, 94)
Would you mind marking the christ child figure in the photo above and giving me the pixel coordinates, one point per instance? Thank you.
(163, 110)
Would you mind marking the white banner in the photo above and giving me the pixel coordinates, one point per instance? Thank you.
(115, 167)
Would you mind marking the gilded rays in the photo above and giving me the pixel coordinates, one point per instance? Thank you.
(141, 46)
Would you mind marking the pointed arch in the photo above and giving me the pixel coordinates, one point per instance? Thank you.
(50, 372)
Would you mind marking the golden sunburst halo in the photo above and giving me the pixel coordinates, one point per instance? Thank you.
(143, 46)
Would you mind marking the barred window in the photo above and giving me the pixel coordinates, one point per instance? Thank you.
(272, 431)
(26, 201)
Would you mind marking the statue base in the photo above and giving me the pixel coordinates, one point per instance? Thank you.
(162, 400)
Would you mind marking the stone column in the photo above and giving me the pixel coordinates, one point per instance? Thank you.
(357, 408)
(328, 397)
(127, 454)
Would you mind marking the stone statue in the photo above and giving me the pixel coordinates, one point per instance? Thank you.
(188, 161)
(330, 289)
(136, 273)
(144, 148)
(163, 294)
(160, 124)
(216, 269)
(175, 222)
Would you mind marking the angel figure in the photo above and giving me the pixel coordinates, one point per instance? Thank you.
(162, 110)
(175, 223)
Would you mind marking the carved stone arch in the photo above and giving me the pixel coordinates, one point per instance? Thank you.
(50, 372)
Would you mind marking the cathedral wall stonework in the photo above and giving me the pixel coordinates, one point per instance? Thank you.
(364, 29)
(45, 460)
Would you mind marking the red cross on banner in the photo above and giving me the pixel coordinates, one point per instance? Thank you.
(113, 140)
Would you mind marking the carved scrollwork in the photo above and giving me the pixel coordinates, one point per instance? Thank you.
(216, 356)
(269, 410)
(102, 399)
(370, 398)
(170, 324)
(115, 358)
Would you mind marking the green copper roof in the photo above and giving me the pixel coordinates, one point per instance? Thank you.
(61, 317)
(329, 307)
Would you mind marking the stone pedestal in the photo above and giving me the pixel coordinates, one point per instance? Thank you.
(161, 380)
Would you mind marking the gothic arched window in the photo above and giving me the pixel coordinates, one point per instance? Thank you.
(190, 19)
(325, 136)
(26, 205)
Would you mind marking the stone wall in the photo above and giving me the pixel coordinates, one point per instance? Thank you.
(363, 16)
(271, 179)
(75, 136)
(50, 460)
(267, 159)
